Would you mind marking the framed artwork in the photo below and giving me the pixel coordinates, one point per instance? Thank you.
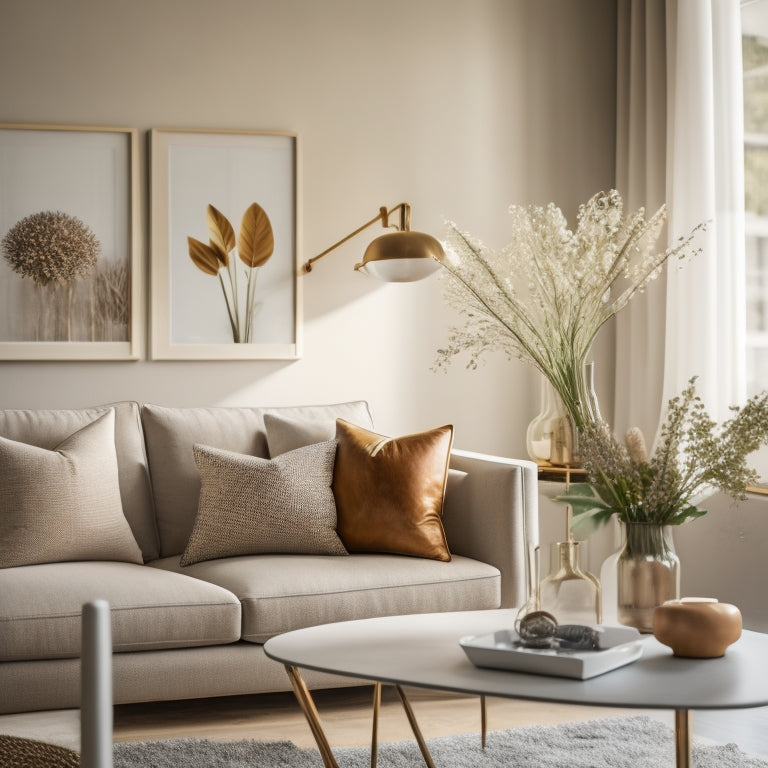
(225, 245)
(70, 273)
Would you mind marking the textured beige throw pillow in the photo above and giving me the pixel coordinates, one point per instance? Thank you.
(64, 504)
(249, 505)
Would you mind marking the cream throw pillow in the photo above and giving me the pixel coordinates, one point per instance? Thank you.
(64, 504)
(249, 505)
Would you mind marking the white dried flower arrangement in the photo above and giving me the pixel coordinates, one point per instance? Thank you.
(545, 295)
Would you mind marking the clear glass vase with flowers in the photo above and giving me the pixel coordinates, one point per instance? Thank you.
(649, 492)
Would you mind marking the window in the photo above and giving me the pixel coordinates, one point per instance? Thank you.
(754, 17)
(755, 53)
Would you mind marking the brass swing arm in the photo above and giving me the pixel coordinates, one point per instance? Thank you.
(383, 217)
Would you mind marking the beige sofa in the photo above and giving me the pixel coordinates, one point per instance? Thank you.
(197, 631)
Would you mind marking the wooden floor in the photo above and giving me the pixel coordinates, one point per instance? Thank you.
(346, 717)
(345, 714)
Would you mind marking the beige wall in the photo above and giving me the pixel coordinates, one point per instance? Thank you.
(458, 106)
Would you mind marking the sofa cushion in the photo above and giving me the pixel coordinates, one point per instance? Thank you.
(284, 592)
(285, 434)
(389, 491)
(64, 504)
(250, 505)
(40, 609)
(47, 428)
(170, 434)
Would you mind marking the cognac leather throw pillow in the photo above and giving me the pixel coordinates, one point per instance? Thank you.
(249, 505)
(64, 504)
(389, 491)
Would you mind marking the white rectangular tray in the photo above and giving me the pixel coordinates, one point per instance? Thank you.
(500, 650)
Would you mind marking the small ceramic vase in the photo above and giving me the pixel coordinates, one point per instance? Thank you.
(697, 627)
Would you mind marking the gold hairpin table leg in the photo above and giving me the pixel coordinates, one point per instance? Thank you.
(375, 726)
(682, 738)
(415, 728)
(483, 721)
(307, 705)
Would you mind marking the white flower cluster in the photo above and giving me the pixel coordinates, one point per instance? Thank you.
(544, 296)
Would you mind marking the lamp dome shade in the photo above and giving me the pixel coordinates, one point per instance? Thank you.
(402, 257)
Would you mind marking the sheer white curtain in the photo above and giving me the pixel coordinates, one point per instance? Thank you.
(641, 146)
(680, 140)
(705, 181)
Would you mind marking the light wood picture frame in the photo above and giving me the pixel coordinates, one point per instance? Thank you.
(196, 303)
(71, 277)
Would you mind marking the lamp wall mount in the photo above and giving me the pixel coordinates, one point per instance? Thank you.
(398, 256)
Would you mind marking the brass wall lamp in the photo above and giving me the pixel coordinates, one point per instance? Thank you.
(400, 256)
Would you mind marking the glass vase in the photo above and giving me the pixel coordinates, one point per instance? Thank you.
(647, 574)
(552, 438)
(569, 593)
(539, 435)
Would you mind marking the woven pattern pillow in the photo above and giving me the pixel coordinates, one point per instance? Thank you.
(389, 491)
(64, 504)
(249, 505)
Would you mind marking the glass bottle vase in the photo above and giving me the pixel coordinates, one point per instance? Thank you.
(538, 438)
(552, 438)
(569, 593)
(647, 574)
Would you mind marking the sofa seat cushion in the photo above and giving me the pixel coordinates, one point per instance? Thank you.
(280, 593)
(41, 605)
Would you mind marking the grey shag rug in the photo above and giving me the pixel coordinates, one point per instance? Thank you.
(622, 742)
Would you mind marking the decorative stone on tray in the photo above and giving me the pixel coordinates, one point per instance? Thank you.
(565, 651)
(539, 629)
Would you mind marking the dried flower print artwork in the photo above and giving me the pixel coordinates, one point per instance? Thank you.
(255, 244)
(78, 295)
(544, 296)
(51, 247)
(693, 458)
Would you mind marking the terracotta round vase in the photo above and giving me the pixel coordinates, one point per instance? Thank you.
(697, 627)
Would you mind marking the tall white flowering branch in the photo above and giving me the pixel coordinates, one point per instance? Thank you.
(693, 458)
(544, 296)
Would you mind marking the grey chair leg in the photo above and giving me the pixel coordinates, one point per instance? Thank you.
(96, 686)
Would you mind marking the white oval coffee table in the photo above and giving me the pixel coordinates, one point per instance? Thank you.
(423, 651)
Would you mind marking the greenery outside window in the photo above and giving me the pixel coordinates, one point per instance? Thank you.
(755, 58)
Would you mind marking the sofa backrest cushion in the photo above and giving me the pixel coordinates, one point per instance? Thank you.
(48, 428)
(171, 433)
(64, 504)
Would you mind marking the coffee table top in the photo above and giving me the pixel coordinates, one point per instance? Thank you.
(423, 650)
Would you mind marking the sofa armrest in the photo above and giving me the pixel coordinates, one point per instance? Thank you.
(491, 514)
